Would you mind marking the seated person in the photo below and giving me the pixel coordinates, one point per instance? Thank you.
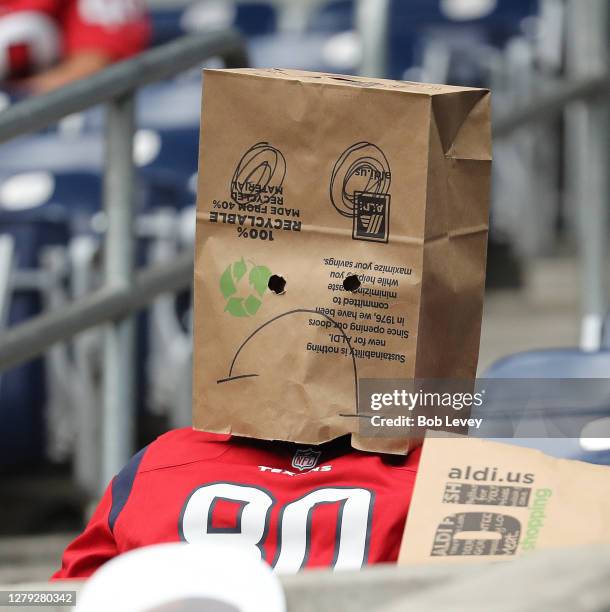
(45, 44)
(262, 364)
(296, 507)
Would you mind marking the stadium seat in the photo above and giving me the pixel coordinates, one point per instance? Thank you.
(38, 210)
(256, 18)
(42, 196)
(22, 398)
(167, 161)
(250, 18)
(175, 103)
(411, 22)
(598, 458)
(554, 363)
(166, 25)
(334, 16)
(23, 389)
(53, 152)
(460, 57)
(529, 371)
(299, 51)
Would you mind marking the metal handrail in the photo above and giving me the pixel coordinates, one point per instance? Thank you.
(123, 291)
(121, 79)
(28, 340)
(548, 106)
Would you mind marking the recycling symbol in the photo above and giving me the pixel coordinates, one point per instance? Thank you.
(243, 285)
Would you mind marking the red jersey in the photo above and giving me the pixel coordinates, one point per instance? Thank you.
(119, 28)
(298, 507)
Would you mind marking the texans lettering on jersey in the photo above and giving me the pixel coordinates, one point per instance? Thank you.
(296, 507)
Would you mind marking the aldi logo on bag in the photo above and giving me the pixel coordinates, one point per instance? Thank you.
(371, 217)
(306, 459)
(360, 190)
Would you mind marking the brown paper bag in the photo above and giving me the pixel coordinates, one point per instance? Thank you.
(317, 179)
(476, 500)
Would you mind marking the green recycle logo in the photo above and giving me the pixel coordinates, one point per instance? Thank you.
(244, 300)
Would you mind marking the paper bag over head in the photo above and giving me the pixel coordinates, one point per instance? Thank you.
(341, 234)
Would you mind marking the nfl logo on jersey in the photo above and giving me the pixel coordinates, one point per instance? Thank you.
(305, 459)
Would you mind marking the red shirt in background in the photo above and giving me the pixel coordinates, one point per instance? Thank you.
(118, 28)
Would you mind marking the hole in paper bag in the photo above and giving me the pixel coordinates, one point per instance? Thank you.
(277, 284)
(351, 283)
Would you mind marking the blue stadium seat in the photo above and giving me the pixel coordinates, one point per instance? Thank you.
(166, 159)
(169, 174)
(53, 152)
(171, 104)
(299, 51)
(412, 21)
(59, 204)
(464, 55)
(334, 16)
(598, 458)
(22, 389)
(256, 18)
(251, 18)
(56, 197)
(557, 364)
(553, 363)
(166, 25)
(22, 397)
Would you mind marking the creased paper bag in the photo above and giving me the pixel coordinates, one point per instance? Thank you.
(369, 200)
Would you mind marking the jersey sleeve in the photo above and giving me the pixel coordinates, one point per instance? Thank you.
(93, 547)
(97, 543)
(118, 28)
